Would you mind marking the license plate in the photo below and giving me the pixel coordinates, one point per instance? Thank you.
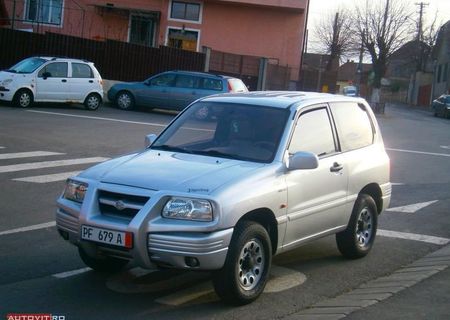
(115, 238)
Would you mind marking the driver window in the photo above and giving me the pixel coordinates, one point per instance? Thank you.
(54, 70)
(165, 80)
(313, 133)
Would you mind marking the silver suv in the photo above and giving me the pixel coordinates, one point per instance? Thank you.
(268, 172)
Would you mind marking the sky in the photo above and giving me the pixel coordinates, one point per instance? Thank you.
(319, 8)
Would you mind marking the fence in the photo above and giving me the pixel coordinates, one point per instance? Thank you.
(115, 60)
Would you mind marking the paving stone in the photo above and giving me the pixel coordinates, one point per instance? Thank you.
(427, 268)
(388, 284)
(368, 296)
(315, 317)
(330, 310)
(377, 290)
(345, 302)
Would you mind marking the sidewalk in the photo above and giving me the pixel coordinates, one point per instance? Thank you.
(420, 290)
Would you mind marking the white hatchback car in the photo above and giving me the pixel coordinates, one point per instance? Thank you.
(50, 79)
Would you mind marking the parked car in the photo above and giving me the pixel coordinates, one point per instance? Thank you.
(441, 106)
(51, 79)
(173, 90)
(271, 171)
(350, 91)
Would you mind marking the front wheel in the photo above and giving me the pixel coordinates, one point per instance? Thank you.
(102, 264)
(357, 240)
(92, 102)
(246, 270)
(23, 98)
(125, 100)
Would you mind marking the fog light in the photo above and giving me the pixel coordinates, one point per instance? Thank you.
(191, 262)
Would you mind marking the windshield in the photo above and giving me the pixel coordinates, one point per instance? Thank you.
(235, 131)
(27, 66)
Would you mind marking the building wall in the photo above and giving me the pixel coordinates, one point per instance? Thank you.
(267, 28)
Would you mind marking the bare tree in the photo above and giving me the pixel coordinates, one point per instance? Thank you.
(335, 35)
(382, 28)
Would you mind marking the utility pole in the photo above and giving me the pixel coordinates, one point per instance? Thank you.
(360, 62)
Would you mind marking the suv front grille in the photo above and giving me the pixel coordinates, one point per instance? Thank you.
(119, 204)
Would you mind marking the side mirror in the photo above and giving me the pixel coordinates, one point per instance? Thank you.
(303, 161)
(147, 83)
(149, 139)
(46, 75)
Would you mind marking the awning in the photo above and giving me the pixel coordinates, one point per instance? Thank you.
(110, 7)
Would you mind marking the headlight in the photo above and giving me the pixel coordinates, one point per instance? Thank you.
(75, 190)
(188, 209)
(6, 82)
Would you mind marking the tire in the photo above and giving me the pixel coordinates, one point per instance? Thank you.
(247, 266)
(125, 100)
(357, 240)
(102, 264)
(92, 102)
(23, 98)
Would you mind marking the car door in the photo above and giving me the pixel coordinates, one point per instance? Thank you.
(52, 84)
(156, 91)
(184, 91)
(316, 198)
(81, 82)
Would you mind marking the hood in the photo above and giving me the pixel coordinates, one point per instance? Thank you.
(164, 170)
(11, 75)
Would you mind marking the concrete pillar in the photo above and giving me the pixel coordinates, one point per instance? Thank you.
(262, 74)
(207, 52)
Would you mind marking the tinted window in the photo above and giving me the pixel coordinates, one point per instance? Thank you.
(313, 133)
(353, 125)
(81, 70)
(54, 70)
(164, 80)
(184, 81)
(211, 84)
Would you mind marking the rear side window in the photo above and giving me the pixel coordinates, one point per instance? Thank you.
(354, 126)
(54, 70)
(211, 84)
(236, 85)
(81, 70)
(184, 81)
(313, 133)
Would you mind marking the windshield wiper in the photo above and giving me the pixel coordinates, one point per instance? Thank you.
(216, 153)
(167, 147)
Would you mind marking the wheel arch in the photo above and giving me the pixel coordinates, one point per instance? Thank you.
(94, 92)
(266, 218)
(374, 191)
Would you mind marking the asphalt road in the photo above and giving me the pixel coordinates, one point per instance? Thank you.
(41, 273)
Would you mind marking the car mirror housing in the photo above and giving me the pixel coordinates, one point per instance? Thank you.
(303, 161)
(149, 139)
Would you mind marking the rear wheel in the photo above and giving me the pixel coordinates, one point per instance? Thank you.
(23, 98)
(125, 100)
(92, 101)
(357, 240)
(101, 263)
(246, 270)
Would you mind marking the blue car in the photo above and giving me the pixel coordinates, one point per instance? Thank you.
(173, 90)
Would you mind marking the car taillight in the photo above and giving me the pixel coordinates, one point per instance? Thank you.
(230, 89)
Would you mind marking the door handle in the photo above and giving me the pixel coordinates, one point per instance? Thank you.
(336, 167)
(91, 81)
(63, 80)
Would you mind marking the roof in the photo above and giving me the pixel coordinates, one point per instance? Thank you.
(278, 99)
(348, 70)
(62, 58)
(443, 35)
(198, 73)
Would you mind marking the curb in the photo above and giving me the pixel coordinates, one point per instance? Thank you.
(376, 290)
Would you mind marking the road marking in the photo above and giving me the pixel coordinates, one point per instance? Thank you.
(283, 279)
(68, 274)
(2, 147)
(412, 208)
(17, 155)
(49, 177)
(29, 228)
(99, 118)
(420, 152)
(397, 184)
(116, 120)
(186, 295)
(445, 147)
(49, 164)
(413, 236)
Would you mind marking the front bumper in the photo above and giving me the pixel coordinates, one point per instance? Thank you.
(6, 94)
(156, 241)
(386, 192)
